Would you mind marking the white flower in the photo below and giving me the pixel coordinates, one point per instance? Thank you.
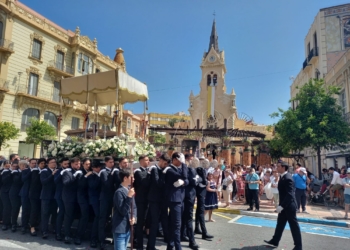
(54, 152)
(87, 151)
(69, 153)
(97, 150)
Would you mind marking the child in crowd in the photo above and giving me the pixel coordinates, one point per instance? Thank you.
(122, 217)
(211, 198)
(227, 187)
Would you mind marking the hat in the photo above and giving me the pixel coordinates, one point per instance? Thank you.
(348, 171)
(303, 170)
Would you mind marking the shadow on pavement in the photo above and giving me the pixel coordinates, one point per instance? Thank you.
(254, 247)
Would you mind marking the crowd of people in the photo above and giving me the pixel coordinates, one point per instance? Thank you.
(112, 195)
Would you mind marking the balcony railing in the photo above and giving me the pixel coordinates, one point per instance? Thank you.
(313, 53)
(347, 118)
(60, 67)
(4, 85)
(23, 89)
(6, 44)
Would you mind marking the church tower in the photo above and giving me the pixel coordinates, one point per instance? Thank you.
(212, 107)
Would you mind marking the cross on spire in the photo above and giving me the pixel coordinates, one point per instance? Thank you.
(214, 37)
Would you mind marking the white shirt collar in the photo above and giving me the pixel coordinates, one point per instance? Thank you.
(284, 174)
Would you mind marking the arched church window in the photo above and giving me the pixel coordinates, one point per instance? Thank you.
(215, 79)
(208, 80)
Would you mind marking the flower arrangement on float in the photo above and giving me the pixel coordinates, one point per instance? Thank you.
(117, 146)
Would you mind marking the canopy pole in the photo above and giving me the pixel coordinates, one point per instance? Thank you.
(59, 119)
(86, 117)
(144, 119)
(117, 101)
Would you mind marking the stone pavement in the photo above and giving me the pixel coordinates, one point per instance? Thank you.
(316, 214)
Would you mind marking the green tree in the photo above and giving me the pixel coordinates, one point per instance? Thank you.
(8, 131)
(317, 122)
(39, 131)
(159, 138)
(172, 122)
(278, 148)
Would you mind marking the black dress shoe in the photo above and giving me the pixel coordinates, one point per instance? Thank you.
(4, 228)
(14, 228)
(93, 244)
(270, 242)
(207, 237)
(67, 240)
(185, 239)
(197, 231)
(33, 233)
(45, 235)
(77, 241)
(58, 237)
(193, 245)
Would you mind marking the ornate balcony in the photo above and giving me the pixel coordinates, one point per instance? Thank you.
(6, 48)
(4, 85)
(60, 70)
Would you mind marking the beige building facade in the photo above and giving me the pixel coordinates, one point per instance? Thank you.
(35, 54)
(325, 45)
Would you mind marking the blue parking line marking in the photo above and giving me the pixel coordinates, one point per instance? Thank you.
(304, 227)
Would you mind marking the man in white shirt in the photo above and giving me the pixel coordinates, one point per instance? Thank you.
(336, 183)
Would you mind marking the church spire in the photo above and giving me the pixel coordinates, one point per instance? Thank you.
(214, 38)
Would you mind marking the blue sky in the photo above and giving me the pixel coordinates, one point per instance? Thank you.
(164, 43)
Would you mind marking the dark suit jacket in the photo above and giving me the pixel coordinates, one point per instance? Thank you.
(82, 192)
(190, 190)
(16, 184)
(59, 184)
(35, 184)
(107, 186)
(26, 174)
(94, 188)
(156, 185)
(6, 179)
(70, 185)
(141, 184)
(173, 174)
(48, 184)
(286, 192)
(201, 187)
(122, 211)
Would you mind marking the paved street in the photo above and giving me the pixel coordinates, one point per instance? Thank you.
(231, 232)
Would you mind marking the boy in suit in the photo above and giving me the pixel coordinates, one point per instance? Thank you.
(287, 208)
(122, 217)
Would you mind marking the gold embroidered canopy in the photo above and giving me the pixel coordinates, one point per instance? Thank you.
(105, 88)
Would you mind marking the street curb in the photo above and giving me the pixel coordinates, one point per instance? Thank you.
(274, 216)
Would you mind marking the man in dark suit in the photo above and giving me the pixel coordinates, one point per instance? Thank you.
(190, 197)
(24, 193)
(48, 203)
(175, 182)
(106, 198)
(155, 197)
(58, 197)
(69, 196)
(141, 188)
(287, 208)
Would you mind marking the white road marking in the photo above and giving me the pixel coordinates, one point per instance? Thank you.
(247, 224)
(234, 219)
(329, 235)
(7, 244)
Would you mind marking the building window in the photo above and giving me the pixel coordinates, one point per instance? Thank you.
(75, 123)
(36, 49)
(50, 118)
(33, 84)
(136, 128)
(85, 64)
(129, 122)
(208, 80)
(1, 30)
(342, 100)
(26, 116)
(56, 91)
(59, 60)
(308, 48)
